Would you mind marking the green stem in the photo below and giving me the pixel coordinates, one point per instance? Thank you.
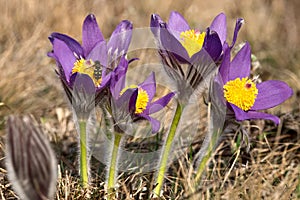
(167, 149)
(113, 164)
(204, 161)
(83, 154)
(210, 147)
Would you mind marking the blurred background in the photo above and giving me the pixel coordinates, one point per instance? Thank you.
(28, 82)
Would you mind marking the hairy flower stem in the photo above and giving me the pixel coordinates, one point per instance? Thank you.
(204, 161)
(113, 165)
(213, 140)
(83, 154)
(167, 148)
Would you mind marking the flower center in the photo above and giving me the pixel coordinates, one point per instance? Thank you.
(192, 40)
(91, 68)
(241, 92)
(142, 98)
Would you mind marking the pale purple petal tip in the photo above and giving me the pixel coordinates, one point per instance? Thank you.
(238, 26)
(177, 24)
(155, 22)
(120, 39)
(91, 34)
(219, 25)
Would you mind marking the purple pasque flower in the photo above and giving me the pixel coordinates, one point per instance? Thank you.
(185, 42)
(189, 56)
(95, 57)
(243, 96)
(135, 101)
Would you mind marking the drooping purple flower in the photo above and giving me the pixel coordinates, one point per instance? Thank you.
(135, 101)
(242, 95)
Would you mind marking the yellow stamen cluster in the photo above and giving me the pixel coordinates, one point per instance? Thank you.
(192, 40)
(142, 98)
(241, 92)
(86, 67)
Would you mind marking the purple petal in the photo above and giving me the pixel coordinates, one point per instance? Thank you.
(155, 124)
(171, 44)
(117, 85)
(122, 67)
(83, 83)
(120, 39)
(212, 45)
(70, 42)
(242, 115)
(225, 65)
(99, 52)
(118, 77)
(149, 85)
(177, 24)
(52, 55)
(65, 57)
(238, 26)
(159, 104)
(91, 34)
(125, 104)
(133, 99)
(125, 97)
(271, 93)
(155, 24)
(105, 81)
(219, 25)
(241, 63)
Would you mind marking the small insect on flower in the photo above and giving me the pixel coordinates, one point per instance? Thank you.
(98, 70)
(98, 67)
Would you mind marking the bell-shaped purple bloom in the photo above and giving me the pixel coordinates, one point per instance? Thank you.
(242, 95)
(86, 69)
(190, 57)
(136, 101)
(186, 43)
(95, 57)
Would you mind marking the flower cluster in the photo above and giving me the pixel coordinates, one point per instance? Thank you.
(94, 73)
(96, 65)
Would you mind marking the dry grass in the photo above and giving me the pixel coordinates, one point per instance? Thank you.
(28, 84)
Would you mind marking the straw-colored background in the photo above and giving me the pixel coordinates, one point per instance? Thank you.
(28, 83)
(27, 80)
